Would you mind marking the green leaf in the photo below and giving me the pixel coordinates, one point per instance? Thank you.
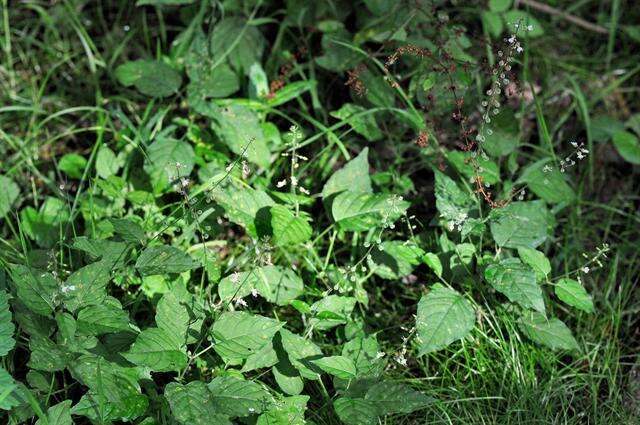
(192, 404)
(550, 185)
(520, 224)
(239, 128)
(353, 177)
(537, 260)
(7, 328)
(242, 206)
(240, 40)
(158, 350)
(236, 397)
(433, 261)
(161, 159)
(573, 293)
(72, 165)
(518, 282)
(128, 230)
(363, 351)
(364, 124)
(284, 228)
(301, 353)
(60, 414)
(499, 5)
(290, 92)
(103, 319)
(287, 378)
(360, 212)
(628, 146)
(276, 284)
(47, 355)
(151, 78)
(46, 225)
(452, 203)
(286, 411)
(493, 23)
(525, 20)
(35, 288)
(395, 259)
(107, 164)
(487, 169)
(340, 366)
(163, 259)
(172, 316)
(86, 286)
(8, 195)
(11, 394)
(238, 334)
(331, 311)
(355, 411)
(444, 316)
(394, 397)
(550, 332)
(501, 135)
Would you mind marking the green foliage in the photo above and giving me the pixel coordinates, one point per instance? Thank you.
(307, 212)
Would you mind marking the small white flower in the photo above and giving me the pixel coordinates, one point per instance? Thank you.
(380, 355)
(305, 191)
(184, 181)
(241, 303)
(401, 359)
(281, 183)
(547, 168)
(294, 181)
(585, 269)
(254, 292)
(529, 27)
(235, 277)
(65, 289)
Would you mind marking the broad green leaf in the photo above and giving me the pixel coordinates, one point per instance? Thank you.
(331, 311)
(444, 316)
(499, 5)
(433, 261)
(107, 164)
(355, 411)
(7, 328)
(59, 414)
(172, 316)
(102, 319)
(72, 165)
(109, 382)
(94, 406)
(36, 289)
(46, 225)
(340, 366)
(191, 404)
(240, 40)
(286, 411)
(394, 397)
(395, 259)
(11, 394)
(550, 332)
(236, 397)
(86, 286)
(276, 284)
(161, 161)
(282, 226)
(8, 195)
(128, 230)
(452, 203)
(628, 146)
(360, 212)
(287, 378)
(520, 224)
(501, 135)
(364, 124)
(47, 355)
(537, 260)
(238, 334)
(158, 350)
(573, 293)
(487, 169)
(493, 23)
(353, 177)
(550, 185)
(524, 19)
(239, 128)
(242, 206)
(518, 282)
(290, 92)
(152, 78)
(301, 353)
(363, 351)
(163, 259)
